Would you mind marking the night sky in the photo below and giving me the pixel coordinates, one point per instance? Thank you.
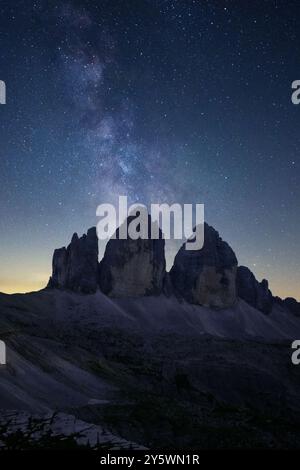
(163, 101)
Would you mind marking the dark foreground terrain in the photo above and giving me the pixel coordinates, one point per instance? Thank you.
(151, 372)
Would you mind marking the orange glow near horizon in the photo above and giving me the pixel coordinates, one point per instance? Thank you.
(10, 286)
(18, 286)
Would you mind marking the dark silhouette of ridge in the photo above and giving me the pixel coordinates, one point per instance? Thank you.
(136, 268)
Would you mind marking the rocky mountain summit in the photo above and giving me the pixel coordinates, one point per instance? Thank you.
(289, 303)
(76, 267)
(255, 293)
(133, 268)
(209, 277)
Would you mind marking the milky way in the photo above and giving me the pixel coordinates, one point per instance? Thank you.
(162, 101)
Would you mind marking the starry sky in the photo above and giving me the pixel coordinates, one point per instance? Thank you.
(159, 100)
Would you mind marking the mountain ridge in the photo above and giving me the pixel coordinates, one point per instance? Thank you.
(138, 268)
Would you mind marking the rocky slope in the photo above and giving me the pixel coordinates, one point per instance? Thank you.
(156, 371)
(20, 430)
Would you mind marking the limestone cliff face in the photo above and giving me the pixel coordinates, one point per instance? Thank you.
(133, 268)
(76, 267)
(207, 276)
(253, 292)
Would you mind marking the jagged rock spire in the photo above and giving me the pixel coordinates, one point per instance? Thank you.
(253, 292)
(133, 268)
(76, 267)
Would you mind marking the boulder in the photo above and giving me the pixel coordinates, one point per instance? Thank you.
(253, 292)
(76, 267)
(207, 276)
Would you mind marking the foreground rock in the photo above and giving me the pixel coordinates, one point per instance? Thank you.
(207, 276)
(154, 371)
(22, 431)
(133, 268)
(253, 292)
(76, 267)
